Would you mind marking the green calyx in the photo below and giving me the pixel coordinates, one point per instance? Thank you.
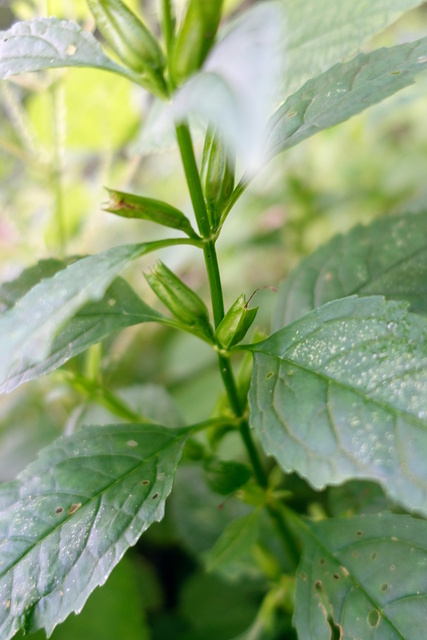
(129, 205)
(235, 323)
(184, 304)
(132, 41)
(195, 37)
(217, 176)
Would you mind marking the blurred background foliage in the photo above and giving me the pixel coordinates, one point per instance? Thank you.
(64, 135)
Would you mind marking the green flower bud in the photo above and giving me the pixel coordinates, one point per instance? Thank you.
(195, 38)
(181, 301)
(129, 205)
(131, 40)
(217, 176)
(236, 322)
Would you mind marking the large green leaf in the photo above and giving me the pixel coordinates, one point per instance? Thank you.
(71, 515)
(119, 308)
(363, 577)
(28, 329)
(46, 43)
(341, 394)
(346, 89)
(322, 33)
(387, 257)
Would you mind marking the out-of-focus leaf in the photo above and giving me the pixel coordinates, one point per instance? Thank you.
(387, 257)
(340, 394)
(321, 33)
(363, 577)
(119, 308)
(226, 476)
(235, 89)
(71, 515)
(28, 329)
(237, 540)
(46, 43)
(345, 90)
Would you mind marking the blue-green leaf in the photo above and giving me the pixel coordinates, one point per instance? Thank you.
(48, 43)
(345, 90)
(72, 514)
(28, 329)
(387, 257)
(363, 577)
(341, 393)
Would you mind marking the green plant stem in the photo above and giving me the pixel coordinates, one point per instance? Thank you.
(167, 23)
(211, 261)
(196, 194)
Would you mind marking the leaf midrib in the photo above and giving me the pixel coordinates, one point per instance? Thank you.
(92, 498)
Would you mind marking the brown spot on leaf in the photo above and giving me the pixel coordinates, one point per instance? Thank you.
(74, 507)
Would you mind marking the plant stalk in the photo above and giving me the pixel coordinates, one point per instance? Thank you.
(211, 261)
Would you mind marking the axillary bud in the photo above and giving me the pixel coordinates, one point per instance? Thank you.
(235, 323)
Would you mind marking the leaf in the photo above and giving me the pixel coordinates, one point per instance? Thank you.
(112, 611)
(345, 90)
(11, 291)
(119, 308)
(388, 257)
(321, 33)
(340, 394)
(73, 513)
(226, 476)
(237, 540)
(48, 43)
(235, 89)
(363, 577)
(28, 329)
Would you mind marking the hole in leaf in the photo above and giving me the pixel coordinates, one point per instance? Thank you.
(373, 618)
(359, 533)
(322, 561)
(111, 302)
(8, 603)
(336, 576)
(132, 443)
(291, 114)
(154, 496)
(59, 510)
(336, 631)
(145, 482)
(71, 50)
(74, 508)
(373, 555)
(384, 586)
(269, 375)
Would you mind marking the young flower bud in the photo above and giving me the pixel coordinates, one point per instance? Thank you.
(235, 323)
(217, 176)
(129, 205)
(195, 38)
(181, 301)
(131, 40)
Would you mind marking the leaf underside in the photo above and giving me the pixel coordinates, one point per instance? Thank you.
(120, 308)
(345, 90)
(387, 257)
(340, 394)
(321, 33)
(47, 43)
(28, 329)
(72, 514)
(364, 578)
